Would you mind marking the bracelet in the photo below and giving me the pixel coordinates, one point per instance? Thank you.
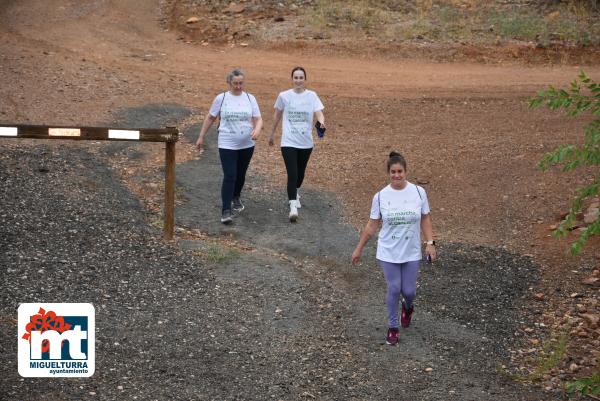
(430, 242)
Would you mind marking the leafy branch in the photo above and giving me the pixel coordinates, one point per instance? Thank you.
(585, 386)
(582, 96)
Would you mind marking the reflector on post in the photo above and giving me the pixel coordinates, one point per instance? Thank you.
(123, 134)
(64, 132)
(8, 131)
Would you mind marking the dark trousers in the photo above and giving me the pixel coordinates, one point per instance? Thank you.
(295, 160)
(235, 164)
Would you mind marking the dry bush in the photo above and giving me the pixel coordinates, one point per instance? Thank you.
(544, 22)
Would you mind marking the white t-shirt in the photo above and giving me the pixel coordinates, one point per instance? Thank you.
(400, 235)
(298, 110)
(235, 127)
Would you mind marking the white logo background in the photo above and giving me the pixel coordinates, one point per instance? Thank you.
(57, 367)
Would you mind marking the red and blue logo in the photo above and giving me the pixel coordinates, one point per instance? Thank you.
(56, 340)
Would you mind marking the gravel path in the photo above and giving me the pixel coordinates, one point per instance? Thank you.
(287, 320)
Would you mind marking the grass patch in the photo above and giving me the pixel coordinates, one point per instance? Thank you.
(518, 25)
(179, 190)
(553, 351)
(564, 26)
(360, 14)
(158, 224)
(583, 8)
(216, 253)
(459, 20)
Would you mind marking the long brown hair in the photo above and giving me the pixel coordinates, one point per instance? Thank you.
(298, 68)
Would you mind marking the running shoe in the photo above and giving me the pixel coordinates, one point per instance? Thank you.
(298, 205)
(226, 217)
(293, 211)
(392, 336)
(237, 204)
(406, 315)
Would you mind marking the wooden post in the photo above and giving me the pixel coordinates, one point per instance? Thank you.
(169, 210)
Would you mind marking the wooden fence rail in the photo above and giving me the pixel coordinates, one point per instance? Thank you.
(169, 135)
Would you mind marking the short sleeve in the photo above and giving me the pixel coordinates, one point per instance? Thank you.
(317, 104)
(255, 108)
(279, 104)
(215, 108)
(375, 211)
(425, 204)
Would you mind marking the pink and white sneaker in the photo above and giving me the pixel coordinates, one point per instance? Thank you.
(392, 336)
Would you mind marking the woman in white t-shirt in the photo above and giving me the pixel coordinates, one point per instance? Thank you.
(239, 126)
(297, 106)
(402, 209)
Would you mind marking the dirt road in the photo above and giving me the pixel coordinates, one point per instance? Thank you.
(464, 128)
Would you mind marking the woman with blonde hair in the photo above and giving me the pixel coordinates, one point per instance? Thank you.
(240, 124)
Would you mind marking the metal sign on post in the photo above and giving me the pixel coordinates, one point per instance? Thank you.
(169, 135)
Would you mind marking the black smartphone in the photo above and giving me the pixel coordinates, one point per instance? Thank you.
(320, 130)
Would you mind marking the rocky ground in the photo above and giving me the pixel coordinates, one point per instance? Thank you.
(536, 32)
(265, 309)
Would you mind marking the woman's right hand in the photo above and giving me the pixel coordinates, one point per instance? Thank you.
(356, 256)
(200, 143)
(271, 139)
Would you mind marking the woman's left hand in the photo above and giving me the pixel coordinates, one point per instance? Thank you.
(431, 251)
(255, 135)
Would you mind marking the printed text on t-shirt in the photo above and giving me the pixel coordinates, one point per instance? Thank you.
(401, 218)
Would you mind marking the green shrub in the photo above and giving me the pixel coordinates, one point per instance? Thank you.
(585, 385)
(571, 157)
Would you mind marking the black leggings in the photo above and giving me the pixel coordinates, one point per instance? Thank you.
(295, 160)
(234, 163)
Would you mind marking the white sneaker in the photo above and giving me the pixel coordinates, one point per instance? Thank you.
(298, 205)
(293, 211)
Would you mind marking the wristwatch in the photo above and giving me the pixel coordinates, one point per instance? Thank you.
(430, 242)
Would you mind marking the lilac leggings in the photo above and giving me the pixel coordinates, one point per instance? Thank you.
(401, 280)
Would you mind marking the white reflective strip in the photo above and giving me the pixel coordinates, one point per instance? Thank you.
(123, 134)
(8, 131)
(64, 132)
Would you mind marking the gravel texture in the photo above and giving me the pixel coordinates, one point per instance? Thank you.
(284, 317)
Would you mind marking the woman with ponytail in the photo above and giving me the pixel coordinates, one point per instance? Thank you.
(402, 210)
